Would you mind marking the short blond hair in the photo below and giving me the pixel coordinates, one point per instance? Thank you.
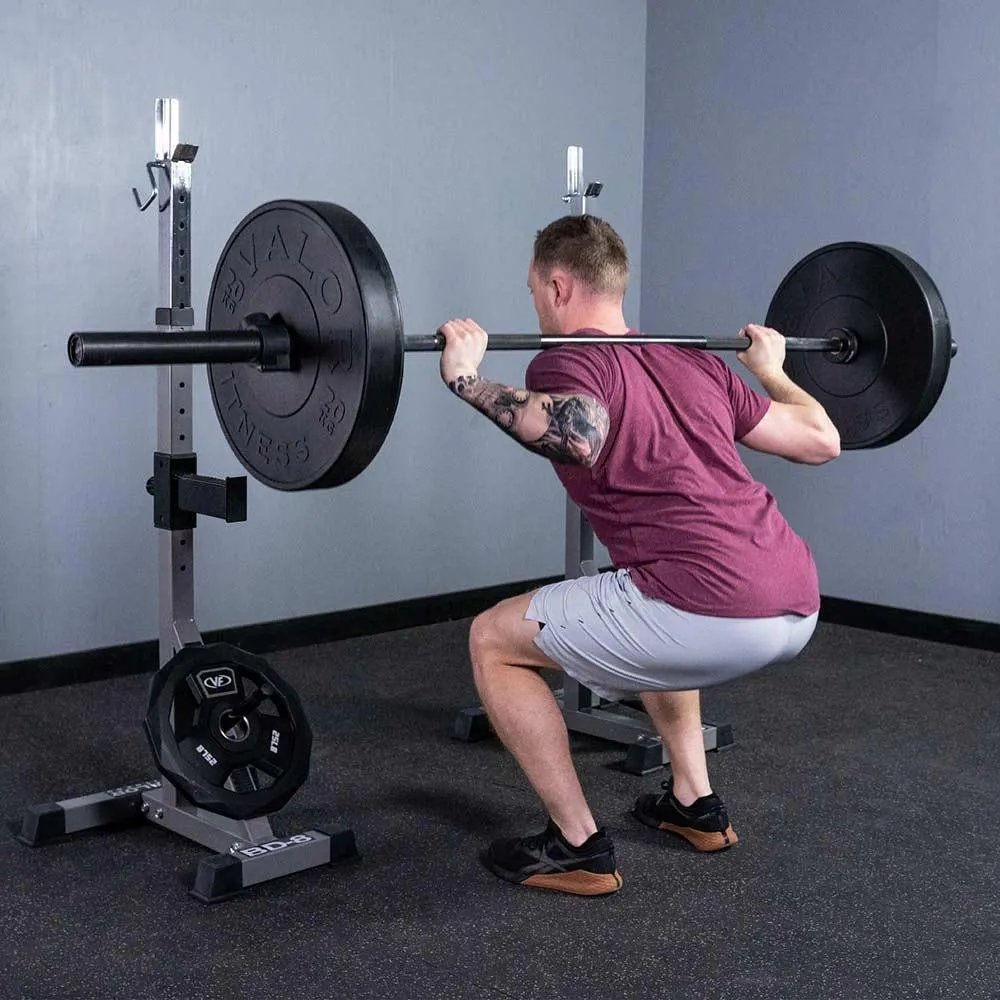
(587, 247)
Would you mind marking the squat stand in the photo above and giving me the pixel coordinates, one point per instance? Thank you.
(248, 850)
(583, 710)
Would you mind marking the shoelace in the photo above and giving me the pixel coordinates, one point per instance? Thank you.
(535, 841)
(668, 791)
(539, 841)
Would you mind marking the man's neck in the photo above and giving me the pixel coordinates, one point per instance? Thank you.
(612, 322)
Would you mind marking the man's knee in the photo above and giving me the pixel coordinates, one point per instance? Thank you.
(484, 638)
(502, 636)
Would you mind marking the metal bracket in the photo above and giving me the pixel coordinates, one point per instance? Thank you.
(184, 152)
(151, 167)
(179, 493)
(174, 317)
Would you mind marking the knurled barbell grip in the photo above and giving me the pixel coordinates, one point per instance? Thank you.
(536, 342)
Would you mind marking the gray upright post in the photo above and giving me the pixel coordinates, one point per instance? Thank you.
(173, 413)
(579, 534)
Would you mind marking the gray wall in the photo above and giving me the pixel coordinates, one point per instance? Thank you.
(442, 124)
(776, 127)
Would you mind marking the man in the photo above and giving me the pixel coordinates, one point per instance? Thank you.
(710, 581)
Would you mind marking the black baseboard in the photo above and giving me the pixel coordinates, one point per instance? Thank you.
(267, 637)
(912, 624)
(142, 657)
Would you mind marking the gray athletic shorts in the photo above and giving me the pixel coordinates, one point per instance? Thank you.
(616, 641)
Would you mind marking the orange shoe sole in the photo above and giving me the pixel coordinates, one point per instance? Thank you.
(578, 883)
(701, 840)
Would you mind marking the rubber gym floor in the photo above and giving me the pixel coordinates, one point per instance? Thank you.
(863, 786)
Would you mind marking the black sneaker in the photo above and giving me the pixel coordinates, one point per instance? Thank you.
(704, 823)
(546, 861)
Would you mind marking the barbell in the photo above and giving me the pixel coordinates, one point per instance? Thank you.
(305, 342)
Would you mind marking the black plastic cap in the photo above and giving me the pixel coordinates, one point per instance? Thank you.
(217, 878)
(43, 824)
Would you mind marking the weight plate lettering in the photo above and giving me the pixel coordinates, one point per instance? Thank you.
(319, 269)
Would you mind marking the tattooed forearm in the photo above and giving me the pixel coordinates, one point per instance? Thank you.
(562, 428)
(500, 403)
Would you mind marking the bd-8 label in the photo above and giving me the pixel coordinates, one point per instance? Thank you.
(272, 846)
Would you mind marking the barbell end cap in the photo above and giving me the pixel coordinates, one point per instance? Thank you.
(848, 350)
(75, 350)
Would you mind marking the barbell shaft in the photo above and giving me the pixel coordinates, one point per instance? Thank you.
(181, 347)
(537, 342)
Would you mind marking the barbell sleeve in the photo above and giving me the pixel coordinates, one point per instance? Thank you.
(263, 340)
(179, 347)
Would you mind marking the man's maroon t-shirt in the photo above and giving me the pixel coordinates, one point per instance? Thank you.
(669, 495)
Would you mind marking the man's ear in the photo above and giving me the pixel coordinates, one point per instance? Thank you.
(562, 285)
